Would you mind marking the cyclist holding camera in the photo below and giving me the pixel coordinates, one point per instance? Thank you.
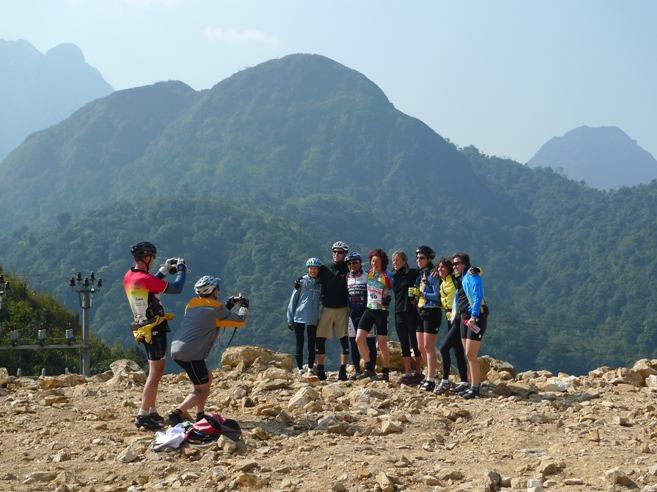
(150, 324)
(194, 340)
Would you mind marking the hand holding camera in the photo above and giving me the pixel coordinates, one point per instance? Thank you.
(176, 265)
(238, 299)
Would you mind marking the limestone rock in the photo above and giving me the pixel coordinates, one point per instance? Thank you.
(617, 476)
(487, 363)
(645, 367)
(332, 392)
(623, 375)
(384, 482)
(4, 377)
(248, 354)
(274, 373)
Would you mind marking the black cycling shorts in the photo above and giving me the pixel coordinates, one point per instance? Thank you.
(157, 349)
(375, 317)
(428, 320)
(467, 333)
(196, 370)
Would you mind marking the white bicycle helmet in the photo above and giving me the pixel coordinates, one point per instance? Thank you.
(206, 285)
(313, 262)
(341, 245)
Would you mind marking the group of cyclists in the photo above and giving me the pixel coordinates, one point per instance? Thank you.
(342, 297)
(339, 297)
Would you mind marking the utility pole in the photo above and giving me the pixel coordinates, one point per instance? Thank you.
(86, 288)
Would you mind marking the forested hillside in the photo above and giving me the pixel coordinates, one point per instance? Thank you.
(270, 166)
(256, 254)
(27, 310)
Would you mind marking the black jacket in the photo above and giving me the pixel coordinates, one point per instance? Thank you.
(402, 280)
(334, 284)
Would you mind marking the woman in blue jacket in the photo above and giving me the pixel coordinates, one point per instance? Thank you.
(473, 312)
(303, 312)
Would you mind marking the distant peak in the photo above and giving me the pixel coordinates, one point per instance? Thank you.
(66, 52)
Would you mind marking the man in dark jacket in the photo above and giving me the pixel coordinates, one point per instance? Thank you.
(335, 312)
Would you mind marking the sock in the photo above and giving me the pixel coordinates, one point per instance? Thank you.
(445, 380)
(385, 370)
(475, 388)
(143, 412)
(407, 374)
(200, 415)
(369, 366)
(152, 410)
(343, 366)
(431, 379)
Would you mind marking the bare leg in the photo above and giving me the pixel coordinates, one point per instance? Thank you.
(471, 351)
(198, 397)
(383, 347)
(155, 373)
(430, 354)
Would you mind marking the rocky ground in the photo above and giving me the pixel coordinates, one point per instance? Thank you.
(529, 431)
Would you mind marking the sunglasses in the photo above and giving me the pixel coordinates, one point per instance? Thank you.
(454, 263)
(338, 252)
(349, 263)
(420, 257)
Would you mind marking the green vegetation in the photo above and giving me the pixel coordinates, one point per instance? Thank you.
(24, 308)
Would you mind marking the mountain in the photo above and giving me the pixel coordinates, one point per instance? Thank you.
(605, 157)
(273, 137)
(39, 90)
(270, 166)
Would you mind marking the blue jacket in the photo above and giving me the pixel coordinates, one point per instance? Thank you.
(473, 288)
(305, 302)
(430, 287)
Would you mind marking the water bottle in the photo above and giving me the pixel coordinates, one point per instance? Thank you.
(474, 327)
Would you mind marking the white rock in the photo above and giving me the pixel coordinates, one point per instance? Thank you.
(303, 397)
(127, 456)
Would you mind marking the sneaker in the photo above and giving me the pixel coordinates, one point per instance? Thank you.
(301, 373)
(320, 373)
(470, 394)
(383, 377)
(442, 388)
(156, 416)
(462, 387)
(174, 418)
(418, 378)
(147, 423)
(407, 380)
(367, 373)
(342, 374)
(355, 376)
(428, 385)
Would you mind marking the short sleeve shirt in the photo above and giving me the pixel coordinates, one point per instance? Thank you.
(142, 290)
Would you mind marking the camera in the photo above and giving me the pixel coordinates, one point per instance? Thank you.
(174, 268)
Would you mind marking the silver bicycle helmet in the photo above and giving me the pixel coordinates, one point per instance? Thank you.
(206, 285)
(341, 245)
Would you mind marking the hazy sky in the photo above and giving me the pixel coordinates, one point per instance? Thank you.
(505, 76)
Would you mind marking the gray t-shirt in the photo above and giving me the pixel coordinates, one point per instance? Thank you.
(199, 329)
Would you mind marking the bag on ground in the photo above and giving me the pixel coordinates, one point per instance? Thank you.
(209, 428)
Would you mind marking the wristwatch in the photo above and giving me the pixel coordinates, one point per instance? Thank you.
(476, 319)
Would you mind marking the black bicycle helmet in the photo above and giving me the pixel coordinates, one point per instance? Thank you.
(426, 251)
(143, 249)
